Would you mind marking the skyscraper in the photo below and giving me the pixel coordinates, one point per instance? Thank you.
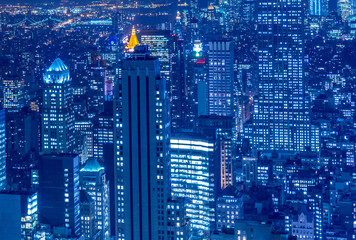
(2, 150)
(19, 214)
(103, 130)
(193, 179)
(221, 77)
(178, 83)
(158, 42)
(221, 129)
(59, 193)
(281, 111)
(14, 91)
(93, 181)
(57, 115)
(141, 148)
(97, 80)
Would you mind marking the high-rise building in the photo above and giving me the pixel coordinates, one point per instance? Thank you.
(221, 77)
(220, 128)
(318, 7)
(97, 80)
(281, 111)
(18, 215)
(142, 129)
(2, 150)
(103, 130)
(85, 129)
(57, 115)
(93, 181)
(178, 83)
(59, 200)
(193, 179)
(158, 42)
(87, 217)
(22, 132)
(13, 93)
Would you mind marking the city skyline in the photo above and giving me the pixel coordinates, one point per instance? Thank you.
(178, 120)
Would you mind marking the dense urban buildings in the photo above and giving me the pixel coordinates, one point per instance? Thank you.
(177, 120)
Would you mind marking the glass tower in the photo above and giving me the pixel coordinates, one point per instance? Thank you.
(281, 111)
(192, 178)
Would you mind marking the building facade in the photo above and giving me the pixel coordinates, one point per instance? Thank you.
(281, 112)
(93, 181)
(57, 115)
(221, 77)
(142, 129)
(193, 179)
(59, 193)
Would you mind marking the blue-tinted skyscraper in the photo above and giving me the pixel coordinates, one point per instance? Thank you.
(2, 150)
(57, 114)
(281, 111)
(221, 78)
(142, 129)
(93, 181)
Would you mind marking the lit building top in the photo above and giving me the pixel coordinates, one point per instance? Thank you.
(58, 73)
(178, 16)
(133, 40)
(211, 7)
(92, 165)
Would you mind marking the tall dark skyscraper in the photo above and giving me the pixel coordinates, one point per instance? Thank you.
(57, 115)
(59, 192)
(281, 112)
(97, 81)
(178, 85)
(141, 148)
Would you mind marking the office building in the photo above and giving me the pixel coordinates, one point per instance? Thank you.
(84, 131)
(59, 200)
(103, 130)
(22, 132)
(281, 110)
(87, 217)
(229, 208)
(97, 80)
(318, 7)
(2, 150)
(178, 83)
(159, 44)
(142, 129)
(221, 77)
(57, 112)
(220, 128)
(13, 93)
(193, 179)
(93, 181)
(18, 215)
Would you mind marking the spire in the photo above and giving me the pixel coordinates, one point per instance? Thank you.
(133, 40)
(178, 15)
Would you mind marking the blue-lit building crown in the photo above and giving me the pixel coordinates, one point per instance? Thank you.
(57, 73)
